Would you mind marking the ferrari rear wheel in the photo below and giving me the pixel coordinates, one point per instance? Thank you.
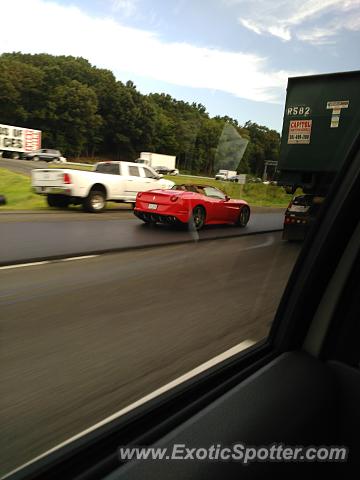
(198, 217)
(244, 216)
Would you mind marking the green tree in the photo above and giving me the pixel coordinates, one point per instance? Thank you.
(76, 118)
(84, 110)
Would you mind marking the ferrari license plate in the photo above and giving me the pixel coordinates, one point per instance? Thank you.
(152, 206)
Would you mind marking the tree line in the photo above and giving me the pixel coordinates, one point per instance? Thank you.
(84, 111)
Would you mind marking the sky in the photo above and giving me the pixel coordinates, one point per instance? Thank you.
(233, 56)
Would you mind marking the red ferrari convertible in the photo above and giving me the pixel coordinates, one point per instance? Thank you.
(196, 205)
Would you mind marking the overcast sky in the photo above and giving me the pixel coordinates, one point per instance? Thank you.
(234, 56)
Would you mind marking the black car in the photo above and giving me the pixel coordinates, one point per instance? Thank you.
(235, 179)
(238, 178)
(46, 155)
(300, 215)
(166, 170)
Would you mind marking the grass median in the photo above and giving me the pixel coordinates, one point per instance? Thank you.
(17, 190)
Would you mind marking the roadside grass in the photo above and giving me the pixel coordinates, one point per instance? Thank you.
(17, 190)
(256, 194)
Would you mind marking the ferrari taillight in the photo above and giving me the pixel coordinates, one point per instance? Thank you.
(139, 194)
(173, 198)
(67, 178)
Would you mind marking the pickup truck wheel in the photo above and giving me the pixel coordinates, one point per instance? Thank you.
(244, 217)
(36, 158)
(51, 200)
(95, 202)
(58, 201)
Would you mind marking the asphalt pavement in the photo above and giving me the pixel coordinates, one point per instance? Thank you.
(58, 236)
(82, 339)
(21, 166)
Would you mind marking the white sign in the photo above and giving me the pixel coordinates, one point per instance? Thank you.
(18, 139)
(337, 104)
(299, 131)
(336, 107)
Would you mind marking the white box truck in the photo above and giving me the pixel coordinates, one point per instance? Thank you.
(17, 141)
(164, 164)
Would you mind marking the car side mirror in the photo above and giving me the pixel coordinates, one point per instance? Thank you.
(227, 198)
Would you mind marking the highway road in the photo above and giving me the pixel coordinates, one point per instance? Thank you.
(21, 166)
(82, 339)
(32, 237)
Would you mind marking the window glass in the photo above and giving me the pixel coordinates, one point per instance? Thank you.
(134, 171)
(149, 173)
(84, 337)
(110, 168)
(214, 192)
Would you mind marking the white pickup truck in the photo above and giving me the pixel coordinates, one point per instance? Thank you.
(109, 181)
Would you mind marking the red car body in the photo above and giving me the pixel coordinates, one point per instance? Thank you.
(182, 203)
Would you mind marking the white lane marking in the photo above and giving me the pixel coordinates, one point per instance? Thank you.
(192, 373)
(21, 265)
(70, 259)
(267, 243)
(32, 264)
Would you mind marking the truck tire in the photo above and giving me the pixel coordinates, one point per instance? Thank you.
(58, 201)
(35, 159)
(15, 156)
(95, 202)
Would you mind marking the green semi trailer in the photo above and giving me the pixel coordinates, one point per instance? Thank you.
(321, 120)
